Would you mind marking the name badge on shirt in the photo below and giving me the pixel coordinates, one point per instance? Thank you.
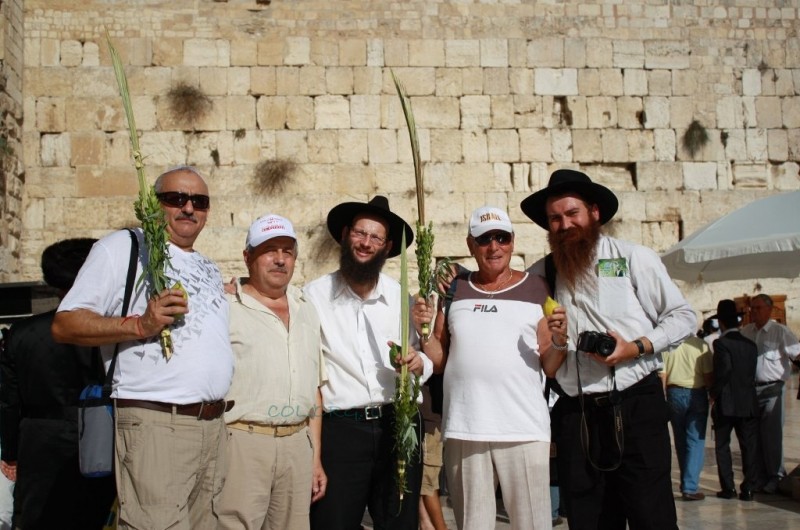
(612, 268)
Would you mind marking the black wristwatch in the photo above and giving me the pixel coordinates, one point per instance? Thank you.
(640, 346)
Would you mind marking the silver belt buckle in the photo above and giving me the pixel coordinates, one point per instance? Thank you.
(373, 413)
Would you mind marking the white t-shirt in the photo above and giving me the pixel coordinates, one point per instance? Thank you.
(493, 379)
(201, 366)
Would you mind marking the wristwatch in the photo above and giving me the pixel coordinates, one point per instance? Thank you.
(640, 346)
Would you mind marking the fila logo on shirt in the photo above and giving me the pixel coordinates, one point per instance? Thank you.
(481, 308)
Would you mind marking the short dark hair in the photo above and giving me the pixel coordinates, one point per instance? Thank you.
(61, 261)
(767, 299)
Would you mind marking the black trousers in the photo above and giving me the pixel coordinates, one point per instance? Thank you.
(634, 441)
(50, 491)
(747, 433)
(358, 458)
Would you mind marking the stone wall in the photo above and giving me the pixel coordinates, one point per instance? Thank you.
(12, 175)
(504, 92)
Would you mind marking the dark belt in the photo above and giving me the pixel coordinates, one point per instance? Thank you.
(202, 411)
(646, 386)
(769, 383)
(373, 412)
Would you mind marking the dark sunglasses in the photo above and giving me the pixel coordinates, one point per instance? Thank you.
(502, 238)
(178, 199)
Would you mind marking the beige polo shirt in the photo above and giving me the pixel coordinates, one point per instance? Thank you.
(276, 371)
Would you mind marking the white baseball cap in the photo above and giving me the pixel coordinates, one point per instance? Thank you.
(267, 227)
(488, 218)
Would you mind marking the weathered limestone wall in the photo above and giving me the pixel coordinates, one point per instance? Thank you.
(11, 169)
(504, 92)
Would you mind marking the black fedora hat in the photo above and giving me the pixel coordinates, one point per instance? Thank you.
(342, 215)
(564, 181)
(727, 312)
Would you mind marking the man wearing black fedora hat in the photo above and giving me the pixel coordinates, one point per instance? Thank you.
(735, 403)
(614, 452)
(359, 309)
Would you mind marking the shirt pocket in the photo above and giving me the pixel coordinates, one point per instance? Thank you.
(771, 351)
(615, 295)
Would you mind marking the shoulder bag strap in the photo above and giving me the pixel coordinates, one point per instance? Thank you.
(125, 302)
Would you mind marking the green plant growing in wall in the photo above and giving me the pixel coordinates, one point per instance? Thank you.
(272, 175)
(695, 138)
(188, 102)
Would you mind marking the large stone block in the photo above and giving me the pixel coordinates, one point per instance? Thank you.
(659, 82)
(615, 146)
(790, 110)
(270, 52)
(684, 83)
(751, 82)
(612, 82)
(495, 81)
(271, 112)
(462, 53)
(730, 114)
(634, 82)
(472, 80)
(51, 114)
(287, 81)
(520, 81)
(750, 176)
(419, 81)
(395, 52)
(575, 53)
(600, 53)
(682, 113)
(629, 54)
(527, 112)
(494, 53)
(561, 145)
(214, 81)
(87, 149)
(699, 175)
(331, 112)
(476, 112)
(263, 80)
(206, 52)
(164, 148)
(546, 52)
(353, 52)
(324, 52)
(589, 82)
(446, 145)
(629, 112)
(768, 113)
(353, 147)
(474, 146)
(292, 145)
(297, 51)
(602, 112)
(503, 145)
(71, 53)
(735, 144)
(536, 145)
(323, 147)
(365, 112)
(777, 145)
(375, 53)
(660, 236)
(659, 176)
(785, 176)
(95, 181)
(339, 80)
(641, 145)
(244, 52)
(657, 112)
(667, 54)
(426, 52)
(367, 80)
(503, 112)
(587, 145)
(756, 144)
(437, 113)
(382, 145)
(556, 82)
(240, 112)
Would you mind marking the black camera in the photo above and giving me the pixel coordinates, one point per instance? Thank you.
(596, 342)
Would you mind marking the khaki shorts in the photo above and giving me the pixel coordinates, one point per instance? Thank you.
(431, 460)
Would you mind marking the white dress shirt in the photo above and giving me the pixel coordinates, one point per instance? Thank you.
(777, 347)
(355, 341)
(635, 298)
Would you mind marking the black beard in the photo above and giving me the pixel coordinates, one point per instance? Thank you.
(355, 272)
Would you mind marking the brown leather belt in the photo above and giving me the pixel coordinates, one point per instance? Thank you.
(277, 431)
(202, 411)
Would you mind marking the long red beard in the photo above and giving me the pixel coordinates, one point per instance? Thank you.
(574, 252)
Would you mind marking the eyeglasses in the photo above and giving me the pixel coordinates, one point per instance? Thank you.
(360, 235)
(178, 199)
(502, 238)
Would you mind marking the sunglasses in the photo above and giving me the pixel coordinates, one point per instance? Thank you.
(178, 199)
(502, 238)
